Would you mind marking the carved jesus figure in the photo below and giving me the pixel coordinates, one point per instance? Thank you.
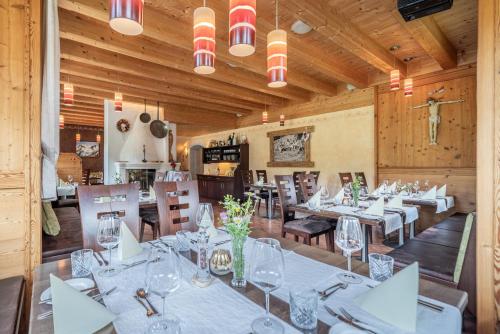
(434, 118)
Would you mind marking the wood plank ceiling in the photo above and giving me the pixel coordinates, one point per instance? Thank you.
(349, 43)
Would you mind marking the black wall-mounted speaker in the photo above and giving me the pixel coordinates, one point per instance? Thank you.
(414, 9)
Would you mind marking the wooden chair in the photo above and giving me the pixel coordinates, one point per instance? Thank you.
(177, 205)
(362, 176)
(345, 178)
(261, 173)
(306, 228)
(86, 177)
(96, 201)
(298, 192)
(159, 176)
(315, 173)
(308, 185)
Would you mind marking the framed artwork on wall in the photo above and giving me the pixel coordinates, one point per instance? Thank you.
(87, 149)
(290, 147)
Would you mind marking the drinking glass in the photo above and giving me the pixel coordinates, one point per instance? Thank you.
(324, 193)
(426, 185)
(381, 266)
(204, 216)
(267, 270)
(304, 308)
(163, 277)
(416, 187)
(108, 236)
(349, 238)
(183, 243)
(81, 262)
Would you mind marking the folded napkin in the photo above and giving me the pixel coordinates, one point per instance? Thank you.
(128, 246)
(393, 187)
(395, 203)
(339, 198)
(152, 194)
(441, 192)
(377, 208)
(315, 201)
(378, 191)
(75, 312)
(431, 194)
(395, 300)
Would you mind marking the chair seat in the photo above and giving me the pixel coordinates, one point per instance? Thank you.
(441, 237)
(331, 221)
(12, 292)
(69, 238)
(455, 222)
(150, 218)
(307, 226)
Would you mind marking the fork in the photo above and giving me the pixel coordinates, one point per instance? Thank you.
(341, 286)
(98, 260)
(347, 321)
(354, 320)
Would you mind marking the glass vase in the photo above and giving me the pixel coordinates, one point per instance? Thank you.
(238, 245)
(355, 198)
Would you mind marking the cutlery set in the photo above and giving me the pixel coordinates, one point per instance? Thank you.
(347, 318)
(324, 294)
(141, 294)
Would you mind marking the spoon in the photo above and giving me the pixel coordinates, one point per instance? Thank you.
(141, 293)
(148, 311)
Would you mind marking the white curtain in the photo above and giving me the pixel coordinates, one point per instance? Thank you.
(50, 101)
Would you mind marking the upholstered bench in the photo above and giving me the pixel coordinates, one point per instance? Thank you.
(68, 240)
(12, 295)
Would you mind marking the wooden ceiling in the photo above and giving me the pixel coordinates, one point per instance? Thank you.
(349, 43)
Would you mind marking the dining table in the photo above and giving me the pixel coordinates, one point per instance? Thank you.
(302, 261)
(269, 188)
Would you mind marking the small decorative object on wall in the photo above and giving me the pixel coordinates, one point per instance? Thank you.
(87, 149)
(291, 147)
(123, 125)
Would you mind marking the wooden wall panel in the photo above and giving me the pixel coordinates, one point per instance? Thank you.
(20, 237)
(403, 146)
(69, 164)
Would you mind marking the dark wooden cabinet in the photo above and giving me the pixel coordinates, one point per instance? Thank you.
(215, 187)
(235, 154)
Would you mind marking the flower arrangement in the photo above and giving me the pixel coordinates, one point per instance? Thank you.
(356, 188)
(173, 164)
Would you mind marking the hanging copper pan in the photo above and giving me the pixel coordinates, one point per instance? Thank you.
(157, 127)
(145, 117)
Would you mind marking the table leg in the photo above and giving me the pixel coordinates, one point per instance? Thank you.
(270, 206)
(364, 252)
(412, 230)
(402, 235)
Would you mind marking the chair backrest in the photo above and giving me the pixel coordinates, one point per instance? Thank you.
(86, 177)
(298, 192)
(345, 178)
(362, 176)
(261, 173)
(247, 178)
(287, 196)
(177, 205)
(97, 200)
(316, 175)
(308, 186)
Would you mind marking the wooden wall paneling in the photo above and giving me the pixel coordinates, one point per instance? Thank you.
(488, 168)
(69, 164)
(68, 145)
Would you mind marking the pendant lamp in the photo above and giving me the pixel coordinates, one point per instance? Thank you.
(242, 27)
(408, 87)
(68, 94)
(394, 76)
(204, 40)
(125, 16)
(118, 102)
(276, 56)
(61, 121)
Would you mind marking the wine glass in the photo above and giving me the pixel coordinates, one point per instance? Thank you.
(267, 270)
(416, 187)
(108, 237)
(426, 185)
(204, 216)
(347, 191)
(349, 238)
(324, 193)
(163, 276)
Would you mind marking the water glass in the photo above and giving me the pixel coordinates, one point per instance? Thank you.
(304, 308)
(108, 237)
(81, 262)
(381, 266)
(183, 243)
(204, 216)
(349, 238)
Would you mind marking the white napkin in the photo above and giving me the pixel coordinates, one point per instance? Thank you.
(315, 201)
(152, 193)
(75, 312)
(128, 246)
(441, 192)
(431, 194)
(395, 203)
(339, 198)
(377, 208)
(378, 191)
(399, 296)
(393, 187)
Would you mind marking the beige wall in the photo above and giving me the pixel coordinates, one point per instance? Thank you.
(342, 141)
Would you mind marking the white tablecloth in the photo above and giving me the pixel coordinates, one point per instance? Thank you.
(66, 190)
(173, 176)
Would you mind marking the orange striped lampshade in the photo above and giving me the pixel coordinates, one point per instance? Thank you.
(125, 16)
(264, 117)
(78, 136)
(204, 40)
(68, 96)
(118, 102)
(242, 31)
(282, 120)
(408, 87)
(394, 80)
(276, 58)
(61, 121)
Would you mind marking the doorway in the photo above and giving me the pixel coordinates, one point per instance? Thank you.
(196, 161)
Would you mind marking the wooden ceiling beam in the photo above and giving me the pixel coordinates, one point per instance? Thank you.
(138, 96)
(83, 55)
(87, 31)
(430, 37)
(158, 26)
(81, 108)
(326, 20)
(85, 101)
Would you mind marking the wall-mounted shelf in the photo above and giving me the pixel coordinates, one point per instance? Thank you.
(232, 154)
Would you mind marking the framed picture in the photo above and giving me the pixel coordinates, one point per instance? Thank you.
(291, 147)
(87, 149)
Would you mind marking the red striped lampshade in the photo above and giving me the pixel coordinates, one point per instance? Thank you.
(204, 40)
(61, 121)
(125, 16)
(264, 117)
(118, 102)
(78, 137)
(276, 58)
(408, 87)
(68, 96)
(242, 31)
(394, 80)
(98, 138)
(282, 120)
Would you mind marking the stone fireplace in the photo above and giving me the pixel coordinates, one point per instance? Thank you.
(143, 173)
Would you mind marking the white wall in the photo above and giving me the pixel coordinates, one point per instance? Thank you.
(128, 146)
(343, 141)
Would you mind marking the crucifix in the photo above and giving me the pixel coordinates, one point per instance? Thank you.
(434, 118)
